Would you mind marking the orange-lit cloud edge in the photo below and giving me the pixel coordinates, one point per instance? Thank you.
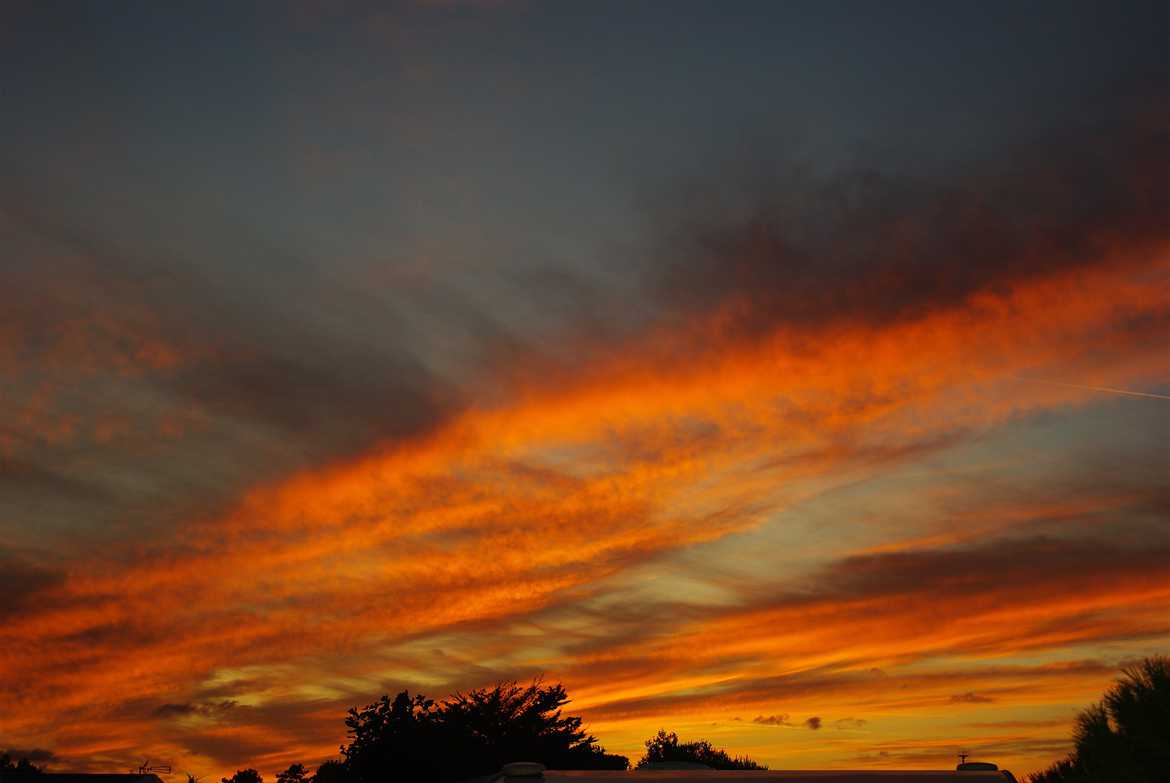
(504, 542)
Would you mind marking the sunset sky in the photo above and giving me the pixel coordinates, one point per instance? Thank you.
(794, 375)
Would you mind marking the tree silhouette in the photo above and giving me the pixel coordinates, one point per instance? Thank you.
(296, 773)
(332, 771)
(13, 769)
(1124, 738)
(664, 747)
(513, 723)
(244, 776)
(472, 734)
(395, 738)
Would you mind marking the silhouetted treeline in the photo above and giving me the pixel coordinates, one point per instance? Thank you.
(473, 735)
(1125, 737)
(664, 748)
(332, 771)
(467, 736)
(247, 776)
(10, 768)
(296, 773)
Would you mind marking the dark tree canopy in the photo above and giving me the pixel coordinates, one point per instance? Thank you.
(665, 747)
(1124, 738)
(12, 769)
(473, 734)
(296, 773)
(389, 738)
(332, 771)
(244, 776)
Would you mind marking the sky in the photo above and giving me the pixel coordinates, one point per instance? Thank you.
(792, 375)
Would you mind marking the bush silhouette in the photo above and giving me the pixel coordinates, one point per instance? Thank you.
(332, 771)
(665, 747)
(296, 773)
(244, 776)
(1124, 738)
(469, 735)
(10, 769)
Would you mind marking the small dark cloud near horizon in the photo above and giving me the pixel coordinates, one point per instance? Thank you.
(924, 753)
(784, 719)
(20, 583)
(953, 570)
(844, 724)
(204, 709)
(970, 697)
(35, 755)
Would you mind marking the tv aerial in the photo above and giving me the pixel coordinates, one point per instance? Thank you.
(148, 769)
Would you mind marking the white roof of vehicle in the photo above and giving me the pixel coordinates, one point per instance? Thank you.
(776, 776)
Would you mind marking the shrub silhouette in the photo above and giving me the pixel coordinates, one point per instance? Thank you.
(10, 769)
(244, 776)
(473, 734)
(1124, 738)
(395, 738)
(665, 747)
(332, 771)
(296, 773)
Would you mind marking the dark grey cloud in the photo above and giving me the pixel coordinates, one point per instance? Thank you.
(813, 723)
(970, 697)
(35, 755)
(22, 582)
(187, 709)
(27, 477)
(227, 750)
(325, 402)
(843, 724)
(796, 247)
(1043, 563)
(773, 720)
(910, 752)
(316, 359)
(225, 375)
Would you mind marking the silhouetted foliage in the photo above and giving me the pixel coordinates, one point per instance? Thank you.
(16, 769)
(332, 771)
(665, 747)
(244, 776)
(296, 773)
(1124, 738)
(469, 735)
(511, 723)
(390, 738)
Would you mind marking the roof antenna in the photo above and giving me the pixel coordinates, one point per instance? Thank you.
(146, 769)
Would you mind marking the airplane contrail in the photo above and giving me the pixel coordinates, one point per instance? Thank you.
(1106, 389)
